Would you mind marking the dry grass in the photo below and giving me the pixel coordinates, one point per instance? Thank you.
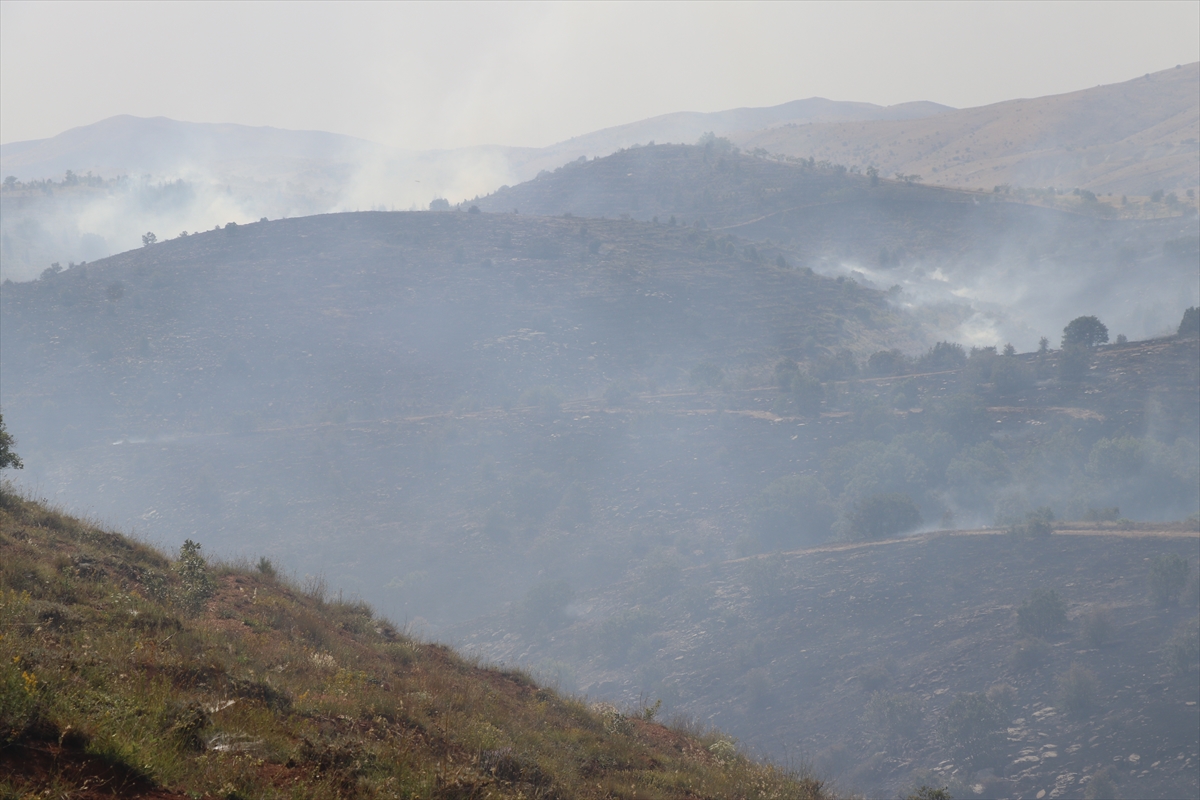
(113, 681)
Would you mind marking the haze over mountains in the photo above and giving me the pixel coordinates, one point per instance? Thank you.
(1133, 139)
(661, 419)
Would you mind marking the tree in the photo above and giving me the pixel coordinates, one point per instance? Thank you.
(1190, 324)
(8, 458)
(1086, 331)
(148, 238)
(942, 356)
(886, 362)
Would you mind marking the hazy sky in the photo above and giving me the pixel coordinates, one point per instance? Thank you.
(454, 74)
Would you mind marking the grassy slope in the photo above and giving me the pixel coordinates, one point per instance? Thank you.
(108, 686)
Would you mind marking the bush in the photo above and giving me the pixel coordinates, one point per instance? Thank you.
(1168, 576)
(887, 362)
(1038, 523)
(1043, 614)
(882, 515)
(973, 728)
(942, 356)
(196, 585)
(1078, 691)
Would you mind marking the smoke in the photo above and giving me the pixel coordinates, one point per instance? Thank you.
(1018, 299)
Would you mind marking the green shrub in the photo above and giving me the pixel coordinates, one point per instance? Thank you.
(1168, 576)
(1043, 614)
(1078, 691)
(196, 586)
(973, 728)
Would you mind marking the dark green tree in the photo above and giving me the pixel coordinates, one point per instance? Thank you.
(8, 457)
(1085, 331)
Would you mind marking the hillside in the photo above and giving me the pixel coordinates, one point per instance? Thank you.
(385, 396)
(984, 268)
(1130, 138)
(124, 673)
(858, 656)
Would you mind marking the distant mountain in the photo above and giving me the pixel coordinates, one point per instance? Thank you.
(167, 148)
(1130, 138)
